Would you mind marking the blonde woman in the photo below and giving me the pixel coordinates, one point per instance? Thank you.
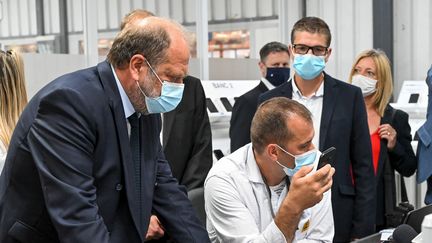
(13, 97)
(389, 130)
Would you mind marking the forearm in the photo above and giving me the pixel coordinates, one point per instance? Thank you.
(287, 220)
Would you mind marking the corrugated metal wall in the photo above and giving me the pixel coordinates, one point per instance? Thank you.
(412, 39)
(350, 22)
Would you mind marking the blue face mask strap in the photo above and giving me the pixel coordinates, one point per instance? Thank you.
(154, 72)
(286, 151)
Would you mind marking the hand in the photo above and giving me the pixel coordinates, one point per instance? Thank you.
(307, 190)
(155, 230)
(386, 131)
(304, 192)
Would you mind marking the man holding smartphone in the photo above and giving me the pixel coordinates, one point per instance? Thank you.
(270, 190)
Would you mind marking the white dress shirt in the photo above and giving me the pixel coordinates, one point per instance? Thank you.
(3, 153)
(239, 207)
(314, 105)
(127, 105)
(267, 83)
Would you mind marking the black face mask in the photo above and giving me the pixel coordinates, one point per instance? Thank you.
(277, 76)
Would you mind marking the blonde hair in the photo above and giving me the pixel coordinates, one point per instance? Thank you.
(13, 95)
(384, 88)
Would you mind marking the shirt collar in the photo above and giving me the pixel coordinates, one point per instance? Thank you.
(267, 83)
(127, 105)
(253, 171)
(318, 93)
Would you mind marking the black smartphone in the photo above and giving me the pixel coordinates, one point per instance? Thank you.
(326, 157)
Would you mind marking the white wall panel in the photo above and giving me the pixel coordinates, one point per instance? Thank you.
(250, 8)
(47, 15)
(189, 11)
(162, 7)
(137, 4)
(113, 14)
(54, 17)
(13, 18)
(234, 9)
(77, 18)
(150, 5)
(24, 18)
(218, 9)
(344, 35)
(32, 16)
(412, 40)
(265, 8)
(124, 7)
(102, 14)
(294, 14)
(176, 9)
(4, 22)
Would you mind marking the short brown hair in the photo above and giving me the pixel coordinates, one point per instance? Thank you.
(135, 15)
(270, 123)
(311, 25)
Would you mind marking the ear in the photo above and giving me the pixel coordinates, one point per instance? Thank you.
(272, 151)
(137, 65)
(328, 54)
(262, 68)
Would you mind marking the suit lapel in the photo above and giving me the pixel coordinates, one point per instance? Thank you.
(110, 88)
(331, 91)
(383, 143)
(287, 90)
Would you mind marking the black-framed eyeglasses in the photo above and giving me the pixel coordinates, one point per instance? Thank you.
(304, 49)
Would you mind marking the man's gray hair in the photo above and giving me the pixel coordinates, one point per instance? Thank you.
(150, 40)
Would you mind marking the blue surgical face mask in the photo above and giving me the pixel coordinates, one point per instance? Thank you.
(301, 160)
(308, 66)
(171, 95)
(277, 75)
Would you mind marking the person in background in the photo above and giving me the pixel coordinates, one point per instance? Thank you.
(13, 97)
(424, 150)
(188, 124)
(270, 190)
(390, 132)
(274, 69)
(85, 163)
(340, 121)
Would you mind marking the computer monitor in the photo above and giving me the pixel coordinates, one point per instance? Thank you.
(415, 218)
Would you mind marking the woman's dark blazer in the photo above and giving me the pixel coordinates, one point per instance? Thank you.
(402, 158)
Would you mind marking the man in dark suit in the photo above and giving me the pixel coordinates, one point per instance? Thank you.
(187, 139)
(340, 120)
(191, 159)
(274, 68)
(188, 123)
(85, 163)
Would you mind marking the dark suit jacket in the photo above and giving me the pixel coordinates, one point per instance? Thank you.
(344, 126)
(187, 139)
(402, 157)
(69, 171)
(241, 117)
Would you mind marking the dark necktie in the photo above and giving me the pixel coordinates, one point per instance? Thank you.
(136, 157)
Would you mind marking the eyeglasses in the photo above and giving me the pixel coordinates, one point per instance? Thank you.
(304, 49)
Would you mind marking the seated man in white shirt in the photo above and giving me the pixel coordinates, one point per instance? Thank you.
(270, 190)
